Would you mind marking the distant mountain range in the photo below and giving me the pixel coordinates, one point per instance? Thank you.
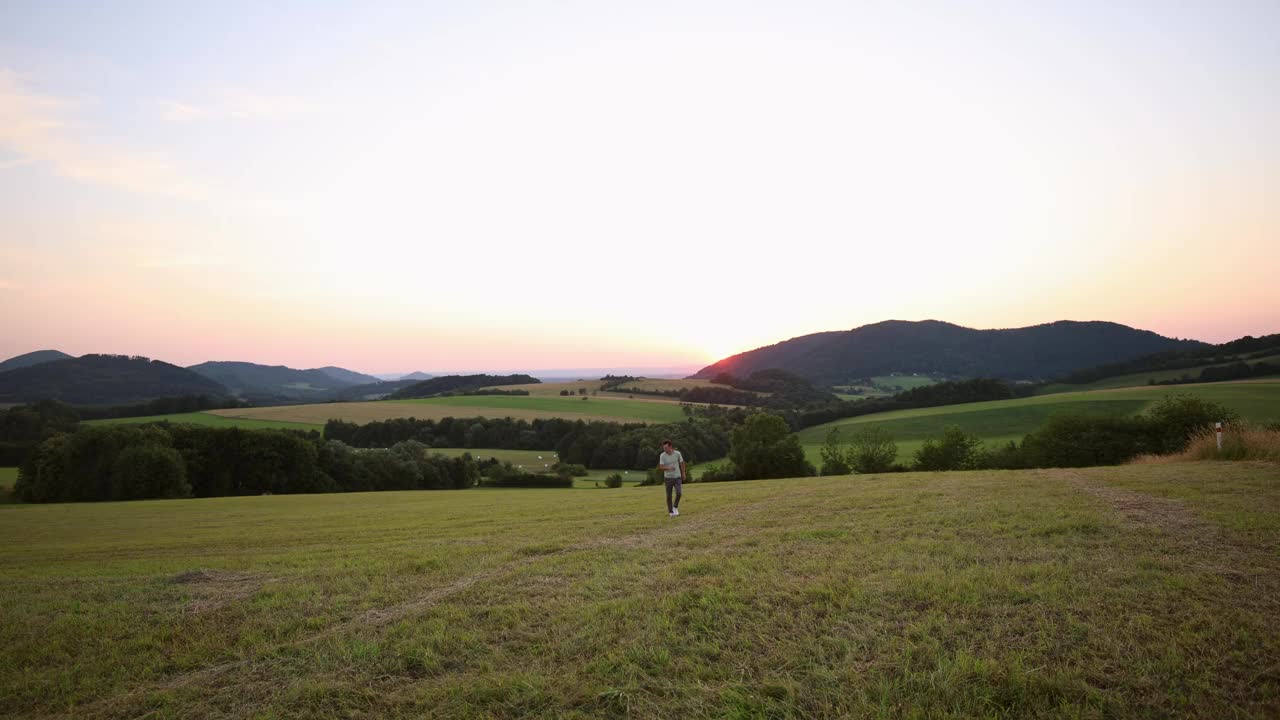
(1040, 352)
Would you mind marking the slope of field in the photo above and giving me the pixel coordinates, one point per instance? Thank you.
(207, 418)
(999, 421)
(8, 476)
(1140, 591)
(1140, 379)
(528, 407)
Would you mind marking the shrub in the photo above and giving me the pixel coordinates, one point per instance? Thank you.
(718, 473)
(1240, 441)
(957, 450)
(1085, 441)
(834, 460)
(872, 450)
(571, 469)
(507, 475)
(613, 481)
(1178, 417)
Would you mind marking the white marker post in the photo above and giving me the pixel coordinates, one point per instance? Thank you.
(1218, 428)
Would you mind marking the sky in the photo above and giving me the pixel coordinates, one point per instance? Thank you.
(516, 186)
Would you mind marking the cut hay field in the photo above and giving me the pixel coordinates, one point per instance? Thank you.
(516, 406)
(1004, 420)
(1138, 591)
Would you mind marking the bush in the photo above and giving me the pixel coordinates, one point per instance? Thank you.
(872, 450)
(613, 481)
(1240, 441)
(1085, 441)
(764, 447)
(509, 476)
(957, 450)
(718, 473)
(570, 469)
(1179, 417)
(834, 460)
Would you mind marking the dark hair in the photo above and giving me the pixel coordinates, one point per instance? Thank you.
(666, 442)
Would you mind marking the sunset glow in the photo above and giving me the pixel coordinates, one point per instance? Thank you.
(479, 186)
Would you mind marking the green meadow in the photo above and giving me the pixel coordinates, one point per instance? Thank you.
(1140, 379)
(202, 418)
(639, 410)
(1000, 421)
(1137, 591)
(8, 476)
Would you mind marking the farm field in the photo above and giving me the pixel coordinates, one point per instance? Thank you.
(1000, 421)
(553, 389)
(539, 461)
(212, 420)
(1136, 591)
(1140, 379)
(519, 407)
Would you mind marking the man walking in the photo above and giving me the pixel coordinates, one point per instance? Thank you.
(671, 463)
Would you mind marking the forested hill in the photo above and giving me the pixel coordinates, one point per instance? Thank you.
(460, 383)
(103, 380)
(1039, 352)
(32, 358)
(277, 383)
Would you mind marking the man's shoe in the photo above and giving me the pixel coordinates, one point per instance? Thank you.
(675, 512)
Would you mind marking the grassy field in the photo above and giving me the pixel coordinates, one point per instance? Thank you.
(8, 476)
(649, 384)
(1140, 379)
(520, 407)
(1139, 591)
(1003, 420)
(205, 418)
(540, 461)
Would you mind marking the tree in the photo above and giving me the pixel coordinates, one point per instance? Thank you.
(149, 471)
(764, 447)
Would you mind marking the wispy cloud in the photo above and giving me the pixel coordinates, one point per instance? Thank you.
(39, 128)
(238, 106)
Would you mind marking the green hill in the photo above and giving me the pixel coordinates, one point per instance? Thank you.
(1003, 420)
(937, 348)
(269, 384)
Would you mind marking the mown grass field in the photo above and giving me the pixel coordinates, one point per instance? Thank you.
(1139, 591)
(1004, 420)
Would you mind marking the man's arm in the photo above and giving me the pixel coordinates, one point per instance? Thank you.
(682, 472)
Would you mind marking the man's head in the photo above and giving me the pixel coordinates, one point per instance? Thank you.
(666, 446)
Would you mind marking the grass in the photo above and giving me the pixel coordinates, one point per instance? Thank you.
(1140, 379)
(1139, 591)
(204, 418)
(1239, 442)
(528, 407)
(1003, 420)
(633, 410)
(8, 476)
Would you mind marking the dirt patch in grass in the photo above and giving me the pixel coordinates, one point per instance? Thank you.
(215, 589)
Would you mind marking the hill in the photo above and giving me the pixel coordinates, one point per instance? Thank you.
(33, 358)
(460, 383)
(350, 377)
(417, 376)
(931, 347)
(276, 383)
(999, 421)
(1230, 360)
(1145, 591)
(103, 380)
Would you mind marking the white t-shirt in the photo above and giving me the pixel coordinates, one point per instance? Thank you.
(672, 460)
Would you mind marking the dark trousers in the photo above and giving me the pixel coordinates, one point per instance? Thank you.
(673, 483)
